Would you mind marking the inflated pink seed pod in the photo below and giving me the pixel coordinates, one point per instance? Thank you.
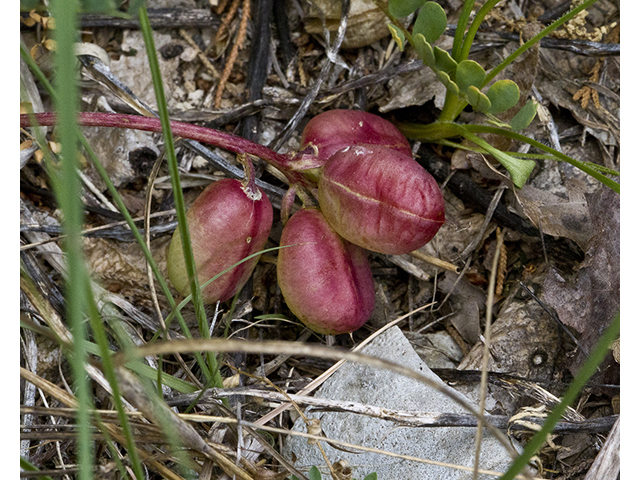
(335, 129)
(325, 280)
(380, 199)
(226, 224)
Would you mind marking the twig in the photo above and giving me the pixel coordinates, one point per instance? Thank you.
(483, 228)
(203, 58)
(434, 261)
(401, 417)
(158, 18)
(258, 64)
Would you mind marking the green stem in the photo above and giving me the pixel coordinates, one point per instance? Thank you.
(462, 26)
(440, 131)
(473, 29)
(431, 132)
(452, 107)
(585, 167)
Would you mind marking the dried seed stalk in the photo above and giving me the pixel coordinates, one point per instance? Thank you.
(242, 34)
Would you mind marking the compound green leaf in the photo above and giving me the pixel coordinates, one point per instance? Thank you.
(444, 62)
(397, 35)
(525, 116)
(477, 99)
(518, 169)
(431, 22)
(503, 94)
(446, 81)
(371, 476)
(424, 50)
(469, 73)
(403, 8)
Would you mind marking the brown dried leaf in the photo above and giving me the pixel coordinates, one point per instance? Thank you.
(589, 300)
(524, 341)
(555, 215)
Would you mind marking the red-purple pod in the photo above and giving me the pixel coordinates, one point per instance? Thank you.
(380, 199)
(325, 280)
(225, 225)
(335, 129)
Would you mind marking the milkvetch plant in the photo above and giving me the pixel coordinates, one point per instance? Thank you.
(372, 195)
(358, 167)
(468, 83)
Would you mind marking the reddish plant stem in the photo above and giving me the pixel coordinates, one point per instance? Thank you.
(224, 140)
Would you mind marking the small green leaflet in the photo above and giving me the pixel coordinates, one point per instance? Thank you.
(397, 35)
(431, 22)
(503, 94)
(525, 116)
(404, 8)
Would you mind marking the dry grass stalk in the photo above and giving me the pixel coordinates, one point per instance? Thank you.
(237, 44)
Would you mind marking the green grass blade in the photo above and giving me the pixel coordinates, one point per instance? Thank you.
(586, 372)
(65, 35)
(172, 161)
(29, 467)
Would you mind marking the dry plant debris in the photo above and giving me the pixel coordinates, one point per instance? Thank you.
(561, 234)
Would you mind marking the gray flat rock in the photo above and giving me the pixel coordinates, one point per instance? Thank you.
(379, 387)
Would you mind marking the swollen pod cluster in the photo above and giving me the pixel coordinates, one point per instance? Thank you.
(372, 195)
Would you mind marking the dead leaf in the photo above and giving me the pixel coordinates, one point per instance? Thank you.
(588, 300)
(524, 341)
(555, 215)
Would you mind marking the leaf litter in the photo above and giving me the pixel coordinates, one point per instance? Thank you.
(566, 207)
